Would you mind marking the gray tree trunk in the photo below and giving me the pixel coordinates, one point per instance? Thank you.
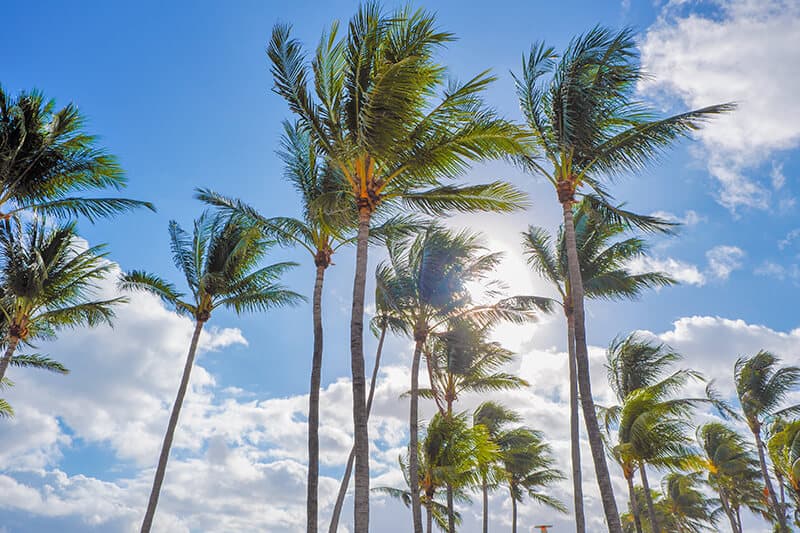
(584, 379)
(651, 510)
(413, 423)
(451, 512)
(637, 519)
(574, 428)
(147, 523)
(312, 487)
(485, 490)
(6, 360)
(773, 501)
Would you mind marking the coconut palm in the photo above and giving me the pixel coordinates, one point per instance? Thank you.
(49, 282)
(220, 261)
(681, 506)
(762, 387)
(580, 111)
(427, 279)
(784, 451)
(529, 469)
(368, 100)
(495, 418)
(731, 470)
(604, 258)
(46, 157)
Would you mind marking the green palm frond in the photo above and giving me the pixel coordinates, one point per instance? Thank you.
(40, 362)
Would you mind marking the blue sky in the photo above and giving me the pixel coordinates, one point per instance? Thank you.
(180, 92)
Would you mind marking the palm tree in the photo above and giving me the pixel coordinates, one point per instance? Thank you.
(529, 469)
(46, 157)
(368, 101)
(762, 387)
(731, 470)
(495, 418)
(784, 451)
(604, 271)
(48, 284)
(220, 261)
(585, 126)
(426, 278)
(681, 507)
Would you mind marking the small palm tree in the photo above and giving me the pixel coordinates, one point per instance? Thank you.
(495, 418)
(427, 279)
(762, 386)
(604, 258)
(46, 157)
(580, 111)
(784, 451)
(687, 508)
(529, 468)
(369, 100)
(48, 284)
(732, 470)
(220, 262)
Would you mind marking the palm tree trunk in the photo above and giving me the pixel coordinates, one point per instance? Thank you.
(312, 488)
(147, 523)
(739, 519)
(773, 501)
(575, 437)
(513, 514)
(6, 360)
(485, 490)
(637, 520)
(337, 508)
(413, 422)
(451, 513)
(428, 518)
(651, 510)
(360, 430)
(584, 379)
(723, 499)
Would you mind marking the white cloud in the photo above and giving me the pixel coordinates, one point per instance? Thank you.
(723, 260)
(689, 218)
(789, 239)
(742, 52)
(681, 271)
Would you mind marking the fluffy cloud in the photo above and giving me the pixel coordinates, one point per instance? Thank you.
(679, 270)
(740, 52)
(722, 260)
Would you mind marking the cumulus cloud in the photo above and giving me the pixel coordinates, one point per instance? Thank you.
(681, 271)
(689, 218)
(740, 52)
(722, 260)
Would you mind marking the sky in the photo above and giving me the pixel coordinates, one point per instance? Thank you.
(180, 92)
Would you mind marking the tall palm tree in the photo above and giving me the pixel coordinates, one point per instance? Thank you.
(604, 259)
(495, 418)
(784, 451)
(427, 279)
(368, 100)
(46, 157)
(529, 469)
(762, 387)
(731, 470)
(580, 111)
(48, 284)
(220, 261)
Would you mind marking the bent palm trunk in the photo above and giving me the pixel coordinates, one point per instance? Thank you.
(413, 422)
(575, 437)
(337, 508)
(147, 523)
(637, 520)
(6, 360)
(360, 430)
(584, 380)
(651, 510)
(773, 501)
(312, 488)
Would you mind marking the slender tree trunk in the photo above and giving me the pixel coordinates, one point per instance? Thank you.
(637, 519)
(451, 512)
(413, 422)
(584, 379)
(651, 510)
(6, 360)
(428, 518)
(723, 499)
(513, 514)
(337, 508)
(773, 501)
(574, 428)
(360, 430)
(739, 519)
(312, 488)
(485, 490)
(147, 523)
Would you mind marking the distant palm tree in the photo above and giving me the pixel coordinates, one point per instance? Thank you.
(529, 469)
(427, 279)
(368, 100)
(604, 260)
(784, 451)
(46, 157)
(681, 506)
(762, 386)
(220, 262)
(585, 124)
(495, 418)
(48, 284)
